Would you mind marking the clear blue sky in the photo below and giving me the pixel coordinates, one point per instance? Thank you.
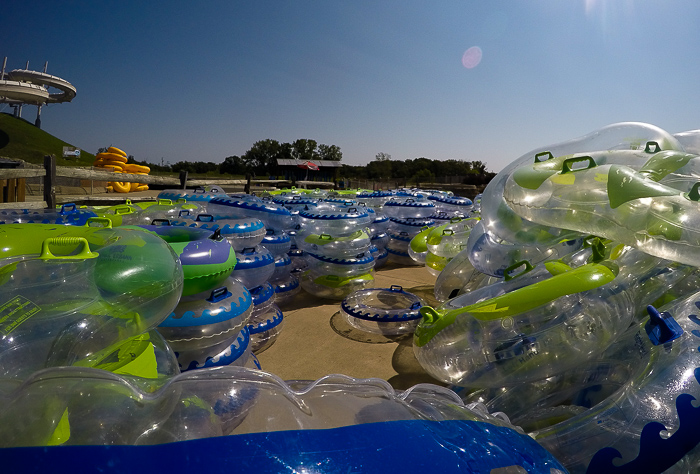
(184, 80)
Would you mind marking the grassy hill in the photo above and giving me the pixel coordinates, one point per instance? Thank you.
(21, 140)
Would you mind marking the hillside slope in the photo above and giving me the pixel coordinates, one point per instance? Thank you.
(21, 140)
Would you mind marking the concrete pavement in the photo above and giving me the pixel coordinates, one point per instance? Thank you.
(316, 341)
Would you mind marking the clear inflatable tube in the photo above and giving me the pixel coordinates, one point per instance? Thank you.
(277, 242)
(334, 287)
(165, 209)
(380, 240)
(146, 355)
(418, 245)
(233, 405)
(408, 208)
(491, 255)
(336, 222)
(328, 245)
(389, 311)
(69, 292)
(240, 233)
(647, 424)
(541, 329)
(410, 225)
(254, 266)
(207, 258)
(399, 254)
(286, 289)
(453, 205)
(449, 239)
(295, 202)
(263, 297)
(283, 267)
(380, 223)
(265, 328)
(690, 140)
(374, 199)
(197, 194)
(627, 139)
(209, 320)
(68, 214)
(442, 217)
(381, 255)
(459, 276)
(273, 215)
(615, 202)
(357, 265)
(435, 263)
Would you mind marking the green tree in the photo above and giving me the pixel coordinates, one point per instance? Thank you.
(183, 166)
(304, 149)
(423, 176)
(479, 166)
(263, 155)
(381, 167)
(354, 172)
(233, 165)
(330, 152)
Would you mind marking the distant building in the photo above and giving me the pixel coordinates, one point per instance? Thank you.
(301, 170)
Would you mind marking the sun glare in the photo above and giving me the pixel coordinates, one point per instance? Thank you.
(471, 57)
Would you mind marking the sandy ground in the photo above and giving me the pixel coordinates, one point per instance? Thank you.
(316, 340)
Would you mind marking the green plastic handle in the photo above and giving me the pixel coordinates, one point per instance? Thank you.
(566, 166)
(538, 156)
(334, 281)
(66, 242)
(583, 278)
(99, 222)
(507, 276)
(694, 193)
(123, 210)
(650, 144)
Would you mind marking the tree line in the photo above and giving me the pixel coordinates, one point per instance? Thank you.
(419, 169)
(262, 157)
(261, 160)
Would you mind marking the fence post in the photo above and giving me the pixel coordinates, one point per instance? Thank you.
(246, 188)
(50, 181)
(183, 179)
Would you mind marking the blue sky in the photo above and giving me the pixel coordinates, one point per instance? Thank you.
(205, 80)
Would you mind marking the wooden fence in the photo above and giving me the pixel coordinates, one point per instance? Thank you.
(13, 181)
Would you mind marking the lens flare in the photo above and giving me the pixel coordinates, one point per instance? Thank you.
(471, 57)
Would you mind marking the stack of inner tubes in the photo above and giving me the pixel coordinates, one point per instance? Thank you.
(265, 323)
(337, 249)
(407, 217)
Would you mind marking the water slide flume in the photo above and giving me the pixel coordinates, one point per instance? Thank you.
(23, 86)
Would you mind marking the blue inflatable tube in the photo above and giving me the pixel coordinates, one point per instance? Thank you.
(209, 419)
(68, 214)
